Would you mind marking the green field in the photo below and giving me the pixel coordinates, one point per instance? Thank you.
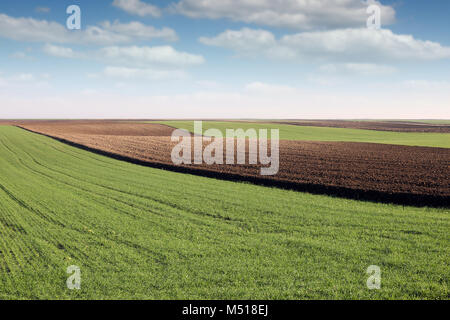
(444, 122)
(139, 232)
(292, 132)
(427, 121)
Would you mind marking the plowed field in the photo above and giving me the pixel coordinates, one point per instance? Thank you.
(385, 173)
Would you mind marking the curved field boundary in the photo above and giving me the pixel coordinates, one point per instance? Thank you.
(420, 200)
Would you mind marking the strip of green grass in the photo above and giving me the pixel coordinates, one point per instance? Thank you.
(429, 121)
(292, 132)
(139, 232)
(445, 122)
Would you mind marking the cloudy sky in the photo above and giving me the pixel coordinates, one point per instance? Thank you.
(225, 58)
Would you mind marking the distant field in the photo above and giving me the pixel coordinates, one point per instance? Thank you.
(292, 132)
(431, 121)
(138, 232)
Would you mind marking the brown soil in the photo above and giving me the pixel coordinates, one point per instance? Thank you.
(8, 122)
(95, 127)
(384, 173)
(398, 126)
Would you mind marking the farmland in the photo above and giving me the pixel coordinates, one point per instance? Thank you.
(139, 232)
(312, 133)
(435, 122)
(396, 126)
(380, 172)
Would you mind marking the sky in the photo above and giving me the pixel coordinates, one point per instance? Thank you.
(225, 59)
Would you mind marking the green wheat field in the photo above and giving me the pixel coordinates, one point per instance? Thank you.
(137, 232)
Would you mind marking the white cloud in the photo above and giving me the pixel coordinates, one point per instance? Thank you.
(163, 56)
(146, 74)
(33, 30)
(364, 44)
(242, 41)
(139, 30)
(294, 14)
(151, 63)
(138, 7)
(368, 69)
(28, 29)
(62, 52)
(356, 45)
(250, 42)
(158, 56)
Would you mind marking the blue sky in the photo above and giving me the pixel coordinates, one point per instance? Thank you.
(232, 59)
